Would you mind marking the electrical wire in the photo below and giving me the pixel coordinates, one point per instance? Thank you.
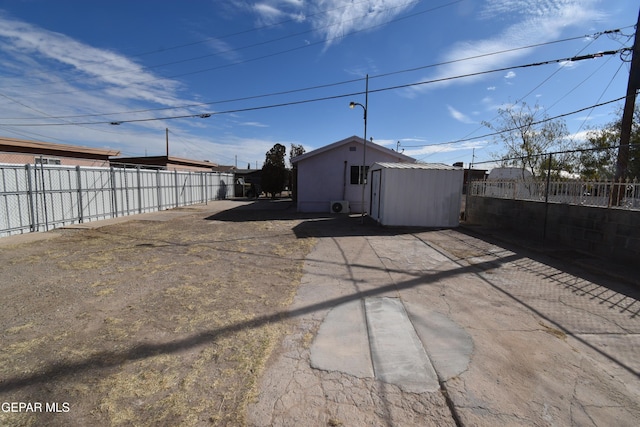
(547, 119)
(225, 36)
(304, 46)
(326, 98)
(397, 72)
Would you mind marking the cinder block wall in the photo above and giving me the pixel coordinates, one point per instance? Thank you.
(606, 232)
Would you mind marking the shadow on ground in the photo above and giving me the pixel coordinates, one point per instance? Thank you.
(312, 225)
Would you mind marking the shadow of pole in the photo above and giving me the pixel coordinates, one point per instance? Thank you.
(108, 359)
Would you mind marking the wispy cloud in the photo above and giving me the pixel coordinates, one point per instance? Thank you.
(459, 116)
(531, 21)
(424, 152)
(68, 77)
(224, 49)
(332, 19)
(341, 19)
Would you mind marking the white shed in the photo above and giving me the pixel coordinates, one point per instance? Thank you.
(416, 194)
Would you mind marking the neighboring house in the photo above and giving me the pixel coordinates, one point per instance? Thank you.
(510, 182)
(19, 151)
(334, 173)
(166, 162)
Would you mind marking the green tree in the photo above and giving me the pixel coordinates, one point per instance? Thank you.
(599, 162)
(274, 173)
(527, 134)
(296, 150)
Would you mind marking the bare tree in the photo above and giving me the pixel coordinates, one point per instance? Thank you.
(527, 134)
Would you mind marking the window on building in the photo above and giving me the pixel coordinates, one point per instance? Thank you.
(356, 175)
(47, 161)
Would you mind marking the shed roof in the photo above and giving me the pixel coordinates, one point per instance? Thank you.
(38, 147)
(161, 161)
(427, 166)
(350, 140)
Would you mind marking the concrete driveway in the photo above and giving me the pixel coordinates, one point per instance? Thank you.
(444, 327)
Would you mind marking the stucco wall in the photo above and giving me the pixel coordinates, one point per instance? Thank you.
(606, 232)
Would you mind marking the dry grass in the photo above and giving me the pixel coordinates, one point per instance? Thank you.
(146, 323)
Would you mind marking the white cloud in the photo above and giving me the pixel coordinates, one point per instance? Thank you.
(254, 124)
(331, 19)
(224, 49)
(444, 148)
(459, 116)
(67, 77)
(491, 88)
(510, 75)
(60, 65)
(343, 18)
(534, 22)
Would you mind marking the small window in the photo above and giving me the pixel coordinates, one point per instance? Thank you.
(356, 175)
(352, 148)
(47, 161)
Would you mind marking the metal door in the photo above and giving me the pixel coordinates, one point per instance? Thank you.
(376, 176)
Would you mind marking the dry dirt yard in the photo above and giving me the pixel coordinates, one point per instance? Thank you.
(146, 322)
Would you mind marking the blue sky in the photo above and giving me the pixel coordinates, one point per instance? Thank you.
(70, 68)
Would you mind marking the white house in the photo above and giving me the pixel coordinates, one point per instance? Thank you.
(334, 173)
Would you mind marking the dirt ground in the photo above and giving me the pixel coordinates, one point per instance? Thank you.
(145, 322)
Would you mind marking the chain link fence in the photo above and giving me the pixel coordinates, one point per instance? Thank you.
(40, 197)
(576, 177)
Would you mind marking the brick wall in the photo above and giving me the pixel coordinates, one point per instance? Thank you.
(606, 232)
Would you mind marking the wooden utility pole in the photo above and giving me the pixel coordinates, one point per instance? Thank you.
(622, 161)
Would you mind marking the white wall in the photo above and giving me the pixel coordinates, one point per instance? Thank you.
(321, 178)
(420, 197)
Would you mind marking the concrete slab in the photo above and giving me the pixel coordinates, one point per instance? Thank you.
(448, 346)
(397, 352)
(341, 343)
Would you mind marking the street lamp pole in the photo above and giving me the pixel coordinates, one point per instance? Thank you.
(364, 149)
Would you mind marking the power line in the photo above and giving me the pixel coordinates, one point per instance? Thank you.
(547, 119)
(286, 92)
(304, 46)
(326, 98)
(209, 39)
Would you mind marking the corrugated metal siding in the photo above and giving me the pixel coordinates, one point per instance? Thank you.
(425, 195)
(421, 166)
(39, 198)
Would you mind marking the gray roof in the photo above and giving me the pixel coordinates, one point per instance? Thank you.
(428, 166)
(350, 140)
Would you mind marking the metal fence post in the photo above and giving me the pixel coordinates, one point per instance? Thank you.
(114, 197)
(44, 197)
(80, 207)
(546, 198)
(139, 190)
(32, 211)
(158, 191)
(126, 191)
(175, 184)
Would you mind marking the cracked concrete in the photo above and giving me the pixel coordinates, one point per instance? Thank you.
(545, 344)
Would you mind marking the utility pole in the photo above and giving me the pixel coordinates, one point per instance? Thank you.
(622, 161)
(167, 138)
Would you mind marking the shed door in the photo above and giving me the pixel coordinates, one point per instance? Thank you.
(375, 194)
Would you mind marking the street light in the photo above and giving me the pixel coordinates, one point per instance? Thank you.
(352, 105)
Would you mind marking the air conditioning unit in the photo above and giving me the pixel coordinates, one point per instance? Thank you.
(339, 206)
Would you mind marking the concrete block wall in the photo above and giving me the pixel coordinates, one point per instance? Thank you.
(608, 232)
